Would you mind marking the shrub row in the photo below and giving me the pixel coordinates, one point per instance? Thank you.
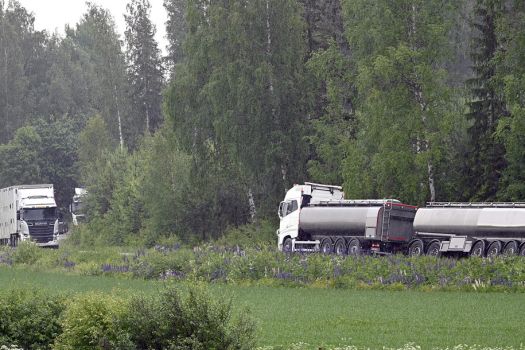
(172, 320)
(265, 266)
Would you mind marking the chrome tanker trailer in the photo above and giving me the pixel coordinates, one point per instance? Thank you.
(478, 229)
(316, 217)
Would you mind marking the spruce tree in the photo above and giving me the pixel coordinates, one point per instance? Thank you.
(486, 154)
(510, 69)
(176, 29)
(144, 65)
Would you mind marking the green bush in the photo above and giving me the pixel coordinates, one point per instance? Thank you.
(27, 253)
(198, 321)
(29, 319)
(92, 321)
(189, 319)
(261, 234)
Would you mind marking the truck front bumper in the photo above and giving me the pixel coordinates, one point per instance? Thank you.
(50, 244)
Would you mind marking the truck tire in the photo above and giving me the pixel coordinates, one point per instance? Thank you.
(287, 245)
(13, 240)
(522, 250)
(416, 248)
(354, 247)
(326, 246)
(510, 249)
(433, 248)
(494, 249)
(478, 249)
(340, 247)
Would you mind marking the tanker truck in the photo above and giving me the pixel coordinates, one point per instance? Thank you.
(478, 229)
(316, 217)
(28, 213)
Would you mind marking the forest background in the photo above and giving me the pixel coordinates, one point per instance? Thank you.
(419, 100)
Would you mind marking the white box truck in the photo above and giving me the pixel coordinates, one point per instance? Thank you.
(77, 206)
(28, 213)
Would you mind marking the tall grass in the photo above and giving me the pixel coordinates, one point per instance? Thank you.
(266, 266)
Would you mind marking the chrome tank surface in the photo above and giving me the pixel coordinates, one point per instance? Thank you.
(333, 220)
(471, 221)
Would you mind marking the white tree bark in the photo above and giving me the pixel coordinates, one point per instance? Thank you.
(424, 144)
(270, 78)
(251, 203)
(119, 121)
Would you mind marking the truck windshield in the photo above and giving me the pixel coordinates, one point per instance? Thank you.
(40, 214)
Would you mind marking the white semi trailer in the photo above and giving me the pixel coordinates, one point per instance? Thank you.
(317, 217)
(28, 213)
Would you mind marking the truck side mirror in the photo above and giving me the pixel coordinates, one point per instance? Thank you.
(280, 211)
(18, 214)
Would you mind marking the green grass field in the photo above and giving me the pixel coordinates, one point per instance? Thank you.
(339, 317)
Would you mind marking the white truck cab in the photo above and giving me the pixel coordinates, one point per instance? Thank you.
(29, 213)
(289, 209)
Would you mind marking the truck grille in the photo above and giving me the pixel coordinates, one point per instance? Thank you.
(41, 234)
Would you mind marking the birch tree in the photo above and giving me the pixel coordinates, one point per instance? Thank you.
(238, 99)
(405, 108)
(96, 35)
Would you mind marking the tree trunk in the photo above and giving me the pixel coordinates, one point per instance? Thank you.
(424, 144)
(251, 204)
(118, 118)
(270, 78)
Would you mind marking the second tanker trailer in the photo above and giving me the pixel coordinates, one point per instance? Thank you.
(317, 217)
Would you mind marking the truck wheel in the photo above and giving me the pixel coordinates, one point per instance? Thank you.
(433, 249)
(416, 248)
(522, 250)
(13, 240)
(511, 248)
(340, 247)
(354, 247)
(494, 249)
(287, 245)
(478, 249)
(326, 246)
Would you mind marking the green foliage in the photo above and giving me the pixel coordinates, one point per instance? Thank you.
(91, 321)
(262, 265)
(30, 319)
(188, 320)
(23, 65)
(139, 197)
(337, 126)
(175, 319)
(261, 234)
(405, 108)
(510, 62)
(144, 66)
(486, 153)
(45, 152)
(27, 253)
(239, 108)
(19, 160)
(166, 188)
(97, 38)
